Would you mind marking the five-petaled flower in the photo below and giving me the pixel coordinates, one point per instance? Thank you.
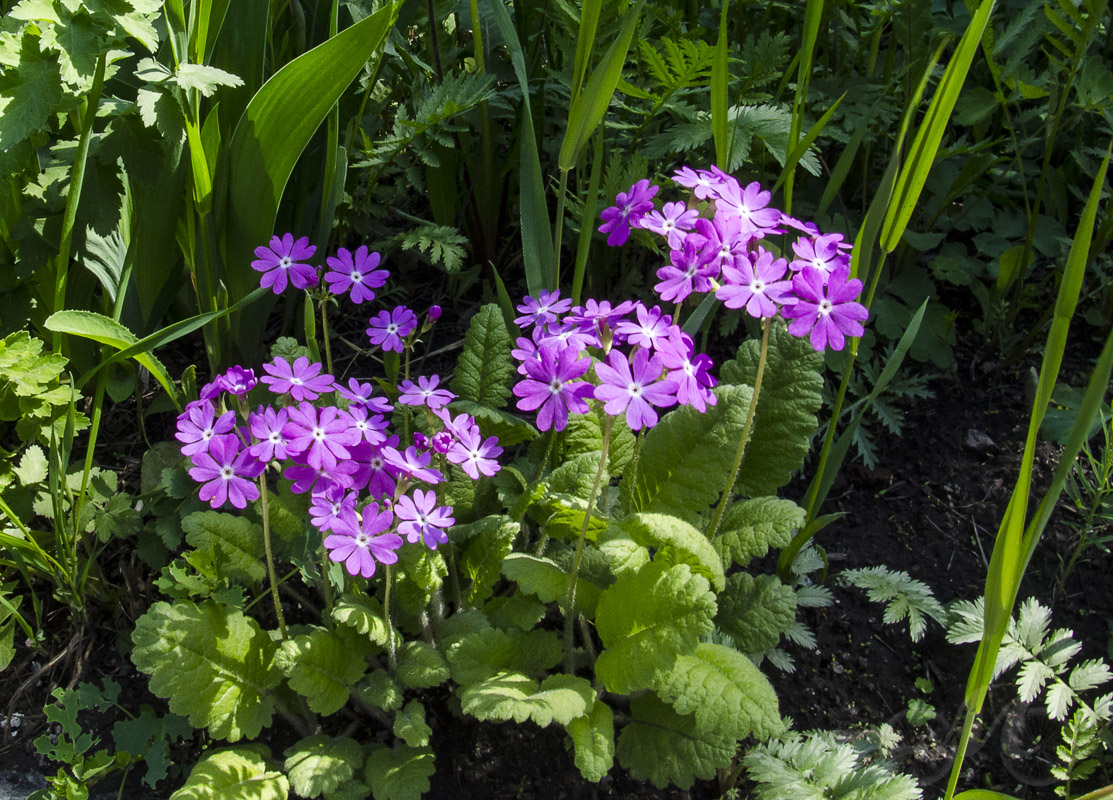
(389, 329)
(356, 273)
(826, 313)
(281, 261)
(362, 546)
(423, 519)
(634, 388)
(301, 380)
(552, 385)
(227, 473)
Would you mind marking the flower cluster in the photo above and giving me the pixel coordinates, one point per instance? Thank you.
(723, 244)
(643, 361)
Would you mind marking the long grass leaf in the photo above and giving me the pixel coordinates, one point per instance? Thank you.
(587, 220)
(585, 42)
(813, 15)
(720, 81)
(802, 146)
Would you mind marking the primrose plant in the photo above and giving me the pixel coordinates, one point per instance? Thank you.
(585, 566)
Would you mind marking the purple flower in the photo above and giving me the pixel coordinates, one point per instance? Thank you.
(360, 548)
(412, 464)
(650, 328)
(702, 183)
(596, 317)
(822, 252)
(551, 386)
(543, 310)
(672, 222)
(692, 373)
(475, 454)
(303, 477)
(357, 273)
(423, 519)
(361, 394)
(389, 328)
(725, 238)
(526, 350)
(281, 260)
(332, 507)
(442, 442)
(198, 424)
(266, 427)
(628, 210)
(458, 427)
(320, 437)
(421, 441)
(373, 471)
(371, 428)
(565, 334)
(634, 392)
(693, 267)
(434, 313)
(749, 205)
(828, 313)
(302, 380)
(236, 380)
(227, 473)
(757, 286)
(424, 393)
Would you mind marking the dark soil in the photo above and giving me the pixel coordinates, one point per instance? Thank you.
(931, 508)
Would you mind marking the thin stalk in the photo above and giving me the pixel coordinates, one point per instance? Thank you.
(326, 584)
(633, 473)
(325, 335)
(570, 600)
(391, 652)
(562, 190)
(270, 555)
(545, 459)
(744, 440)
(960, 754)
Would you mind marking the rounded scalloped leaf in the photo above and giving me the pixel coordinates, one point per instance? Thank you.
(380, 690)
(321, 667)
(544, 577)
(420, 666)
(488, 652)
(785, 420)
(725, 692)
(677, 542)
(593, 740)
(646, 620)
(401, 773)
(409, 725)
(514, 696)
(661, 746)
(317, 764)
(750, 527)
(363, 613)
(755, 611)
(622, 553)
(482, 556)
(236, 543)
(237, 774)
(212, 664)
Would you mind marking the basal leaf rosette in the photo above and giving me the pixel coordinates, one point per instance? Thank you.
(212, 664)
(648, 619)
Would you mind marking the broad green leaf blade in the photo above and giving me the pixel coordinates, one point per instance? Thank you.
(513, 696)
(725, 692)
(584, 434)
(485, 370)
(646, 620)
(420, 666)
(409, 725)
(29, 92)
(750, 527)
(236, 774)
(212, 663)
(544, 578)
(322, 667)
(482, 557)
(235, 543)
(317, 764)
(585, 41)
(486, 653)
(593, 740)
(364, 614)
(400, 774)
(676, 542)
(755, 611)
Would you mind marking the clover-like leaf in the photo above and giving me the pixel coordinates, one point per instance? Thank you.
(485, 370)
(318, 764)
(749, 528)
(755, 611)
(237, 774)
(676, 542)
(409, 725)
(662, 746)
(322, 667)
(646, 620)
(235, 543)
(488, 652)
(512, 695)
(400, 774)
(724, 691)
(593, 741)
(212, 663)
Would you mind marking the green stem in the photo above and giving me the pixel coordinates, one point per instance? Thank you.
(570, 600)
(326, 584)
(960, 753)
(391, 653)
(270, 555)
(561, 191)
(744, 440)
(324, 334)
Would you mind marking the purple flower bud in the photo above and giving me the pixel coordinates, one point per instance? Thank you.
(421, 441)
(434, 313)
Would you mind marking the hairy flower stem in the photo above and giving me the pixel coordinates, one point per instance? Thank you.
(570, 600)
(744, 440)
(325, 336)
(391, 653)
(270, 555)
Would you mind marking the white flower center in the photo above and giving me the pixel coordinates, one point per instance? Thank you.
(319, 434)
(825, 307)
(285, 262)
(362, 540)
(295, 381)
(757, 286)
(226, 473)
(392, 329)
(357, 277)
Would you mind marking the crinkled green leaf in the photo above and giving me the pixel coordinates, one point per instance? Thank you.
(32, 466)
(687, 457)
(646, 620)
(25, 366)
(322, 667)
(662, 746)
(485, 371)
(520, 610)
(507, 428)
(236, 774)
(421, 573)
(584, 434)
(409, 725)
(400, 774)
(482, 556)
(364, 613)
(491, 651)
(318, 764)
(512, 695)
(235, 543)
(749, 528)
(725, 692)
(576, 476)
(380, 690)
(676, 542)
(622, 553)
(785, 420)
(563, 518)
(593, 740)
(212, 663)
(420, 666)
(544, 578)
(755, 611)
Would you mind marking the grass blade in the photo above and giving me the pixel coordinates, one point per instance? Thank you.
(720, 81)
(813, 14)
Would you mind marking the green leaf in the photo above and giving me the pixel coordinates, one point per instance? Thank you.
(755, 611)
(400, 774)
(149, 737)
(317, 764)
(785, 420)
(420, 666)
(29, 92)
(204, 78)
(322, 667)
(661, 746)
(520, 610)
(235, 543)
(584, 434)
(903, 596)
(236, 774)
(544, 578)
(676, 542)
(646, 620)
(686, 458)
(481, 655)
(576, 476)
(363, 613)
(510, 695)
(750, 527)
(212, 663)
(725, 692)
(507, 428)
(482, 558)
(409, 725)
(485, 370)
(623, 554)
(380, 690)
(593, 740)
(32, 466)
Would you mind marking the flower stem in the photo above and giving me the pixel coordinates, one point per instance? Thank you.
(570, 601)
(270, 555)
(324, 334)
(392, 655)
(744, 440)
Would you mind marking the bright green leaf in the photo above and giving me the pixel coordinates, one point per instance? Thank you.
(676, 542)
(235, 543)
(318, 764)
(485, 370)
(322, 667)
(749, 528)
(236, 774)
(593, 740)
(400, 774)
(755, 611)
(509, 695)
